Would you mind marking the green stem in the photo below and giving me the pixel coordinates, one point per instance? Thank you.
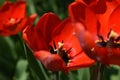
(12, 47)
(32, 8)
(100, 72)
(97, 72)
(56, 75)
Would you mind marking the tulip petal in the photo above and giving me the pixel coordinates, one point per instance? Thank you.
(77, 11)
(80, 61)
(65, 32)
(108, 55)
(18, 10)
(4, 13)
(24, 23)
(98, 6)
(13, 10)
(80, 13)
(41, 32)
(91, 22)
(34, 42)
(106, 22)
(86, 1)
(86, 40)
(114, 20)
(46, 25)
(52, 62)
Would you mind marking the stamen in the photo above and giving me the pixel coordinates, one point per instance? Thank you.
(64, 56)
(68, 51)
(117, 39)
(62, 41)
(101, 38)
(63, 53)
(113, 34)
(60, 45)
(52, 50)
(109, 33)
(92, 49)
(12, 20)
(111, 39)
(54, 44)
(101, 42)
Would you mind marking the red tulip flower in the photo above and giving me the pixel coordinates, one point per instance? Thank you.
(98, 33)
(13, 18)
(54, 44)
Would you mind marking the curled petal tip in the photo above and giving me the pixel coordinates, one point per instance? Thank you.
(33, 16)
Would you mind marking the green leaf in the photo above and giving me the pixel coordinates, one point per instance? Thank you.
(3, 77)
(73, 75)
(63, 76)
(37, 68)
(1, 2)
(7, 43)
(21, 70)
(8, 57)
(117, 76)
(83, 74)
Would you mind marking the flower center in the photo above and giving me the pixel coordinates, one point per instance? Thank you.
(62, 52)
(12, 20)
(12, 23)
(113, 40)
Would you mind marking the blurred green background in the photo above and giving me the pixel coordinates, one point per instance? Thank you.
(16, 64)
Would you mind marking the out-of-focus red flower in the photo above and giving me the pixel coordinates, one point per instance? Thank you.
(99, 34)
(53, 43)
(13, 18)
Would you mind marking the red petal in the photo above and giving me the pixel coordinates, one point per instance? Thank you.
(41, 34)
(118, 1)
(87, 41)
(24, 23)
(114, 58)
(114, 20)
(79, 61)
(46, 25)
(18, 10)
(32, 18)
(89, 1)
(104, 19)
(33, 39)
(80, 13)
(91, 22)
(86, 1)
(108, 55)
(65, 32)
(4, 14)
(63, 26)
(13, 10)
(77, 11)
(52, 62)
(98, 6)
